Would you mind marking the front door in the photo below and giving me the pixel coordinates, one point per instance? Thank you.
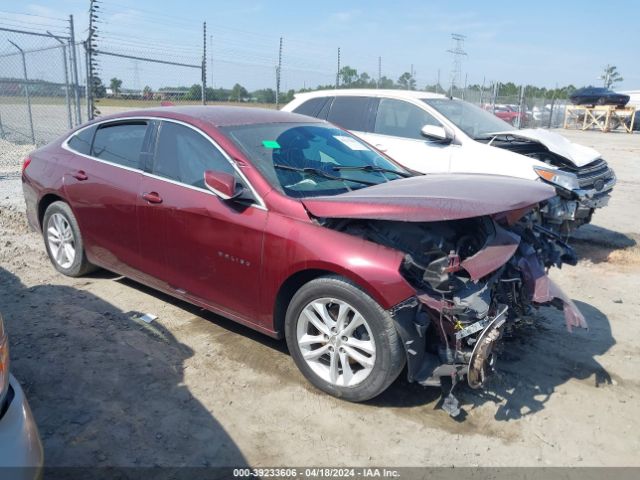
(196, 243)
(397, 132)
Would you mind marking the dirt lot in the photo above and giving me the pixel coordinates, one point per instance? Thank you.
(194, 389)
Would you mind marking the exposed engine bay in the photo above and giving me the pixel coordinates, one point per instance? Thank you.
(472, 278)
(572, 207)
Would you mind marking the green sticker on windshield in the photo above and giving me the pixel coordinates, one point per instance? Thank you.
(270, 144)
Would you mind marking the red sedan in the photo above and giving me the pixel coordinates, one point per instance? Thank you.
(297, 229)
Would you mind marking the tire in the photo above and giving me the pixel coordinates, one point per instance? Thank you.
(58, 223)
(356, 381)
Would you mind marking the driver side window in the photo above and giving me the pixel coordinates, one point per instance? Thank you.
(402, 119)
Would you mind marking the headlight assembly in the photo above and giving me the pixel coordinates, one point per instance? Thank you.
(562, 179)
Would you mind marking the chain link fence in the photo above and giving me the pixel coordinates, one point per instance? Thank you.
(44, 76)
(132, 80)
(523, 109)
(40, 97)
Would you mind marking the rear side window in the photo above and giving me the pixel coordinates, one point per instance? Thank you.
(402, 119)
(312, 107)
(350, 113)
(81, 141)
(183, 155)
(120, 143)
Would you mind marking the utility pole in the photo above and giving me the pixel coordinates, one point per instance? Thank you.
(338, 71)
(204, 63)
(458, 52)
(74, 70)
(278, 71)
(379, 71)
(438, 82)
(26, 90)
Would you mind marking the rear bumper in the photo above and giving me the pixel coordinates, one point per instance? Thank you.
(21, 453)
(31, 202)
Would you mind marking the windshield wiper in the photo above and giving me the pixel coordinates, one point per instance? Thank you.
(322, 173)
(371, 168)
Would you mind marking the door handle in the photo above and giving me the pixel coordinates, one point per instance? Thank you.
(80, 175)
(380, 147)
(152, 197)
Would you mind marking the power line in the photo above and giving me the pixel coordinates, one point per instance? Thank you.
(35, 15)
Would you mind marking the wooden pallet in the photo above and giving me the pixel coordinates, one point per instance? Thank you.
(601, 117)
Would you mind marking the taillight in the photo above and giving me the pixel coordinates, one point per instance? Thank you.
(25, 163)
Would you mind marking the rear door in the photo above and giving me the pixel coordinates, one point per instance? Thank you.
(102, 185)
(198, 245)
(396, 130)
(352, 113)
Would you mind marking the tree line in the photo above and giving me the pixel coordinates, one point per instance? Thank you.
(347, 77)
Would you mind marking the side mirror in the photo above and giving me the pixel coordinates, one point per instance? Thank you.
(436, 133)
(222, 184)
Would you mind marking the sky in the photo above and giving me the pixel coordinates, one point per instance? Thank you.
(543, 43)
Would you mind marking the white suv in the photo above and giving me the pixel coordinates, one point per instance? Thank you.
(432, 133)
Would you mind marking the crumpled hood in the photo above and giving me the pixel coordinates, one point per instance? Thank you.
(434, 197)
(579, 155)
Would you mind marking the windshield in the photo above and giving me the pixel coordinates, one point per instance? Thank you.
(307, 160)
(474, 121)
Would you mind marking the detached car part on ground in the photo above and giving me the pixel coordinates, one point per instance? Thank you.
(431, 133)
(21, 454)
(296, 228)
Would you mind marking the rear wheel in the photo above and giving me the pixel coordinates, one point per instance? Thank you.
(63, 241)
(342, 340)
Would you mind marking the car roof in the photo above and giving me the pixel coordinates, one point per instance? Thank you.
(218, 116)
(371, 92)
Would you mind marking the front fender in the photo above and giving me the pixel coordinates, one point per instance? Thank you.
(292, 246)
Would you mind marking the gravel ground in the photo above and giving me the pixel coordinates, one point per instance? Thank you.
(194, 389)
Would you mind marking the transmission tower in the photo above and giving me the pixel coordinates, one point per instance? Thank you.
(457, 51)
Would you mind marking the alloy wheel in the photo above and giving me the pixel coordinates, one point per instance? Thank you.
(336, 342)
(61, 240)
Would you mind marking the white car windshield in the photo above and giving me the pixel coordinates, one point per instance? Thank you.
(474, 121)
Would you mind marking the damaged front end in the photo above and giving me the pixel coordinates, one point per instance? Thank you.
(583, 181)
(472, 277)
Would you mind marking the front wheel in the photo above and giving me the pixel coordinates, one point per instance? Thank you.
(342, 341)
(63, 241)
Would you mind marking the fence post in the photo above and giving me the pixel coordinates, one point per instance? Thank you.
(26, 91)
(520, 104)
(88, 92)
(74, 71)
(2, 135)
(496, 86)
(66, 78)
